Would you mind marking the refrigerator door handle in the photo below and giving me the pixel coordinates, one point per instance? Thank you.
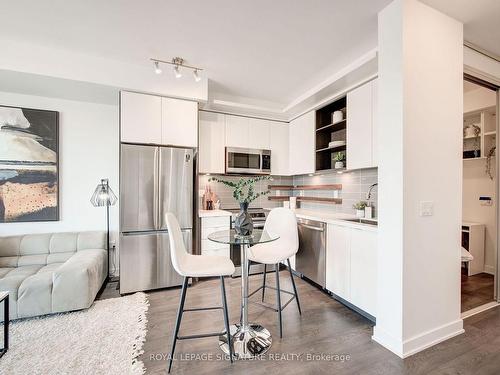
(156, 182)
(160, 189)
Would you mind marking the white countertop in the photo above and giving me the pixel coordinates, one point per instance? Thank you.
(213, 213)
(334, 218)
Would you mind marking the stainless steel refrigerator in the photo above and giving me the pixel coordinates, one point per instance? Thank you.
(153, 180)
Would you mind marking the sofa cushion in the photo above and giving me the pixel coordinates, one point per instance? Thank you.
(9, 246)
(63, 242)
(34, 244)
(59, 257)
(9, 261)
(91, 240)
(32, 260)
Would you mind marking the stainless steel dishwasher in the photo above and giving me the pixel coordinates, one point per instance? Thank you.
(310, 260)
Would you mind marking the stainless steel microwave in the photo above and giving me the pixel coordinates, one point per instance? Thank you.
(248, 161)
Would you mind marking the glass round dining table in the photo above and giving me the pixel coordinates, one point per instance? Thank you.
(248, 339)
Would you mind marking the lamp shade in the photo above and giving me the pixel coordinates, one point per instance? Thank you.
(103, 195)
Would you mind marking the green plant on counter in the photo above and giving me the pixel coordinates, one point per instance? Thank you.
(360, 205)
(244, 188)
(339, 156)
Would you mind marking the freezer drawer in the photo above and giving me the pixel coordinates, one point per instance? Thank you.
(145, 261)
(310, 260)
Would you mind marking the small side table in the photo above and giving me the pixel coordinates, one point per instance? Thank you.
(4, 297)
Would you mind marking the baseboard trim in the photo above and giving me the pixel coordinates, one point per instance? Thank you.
(489, 269)
(388, 341)
(479, 309)
(430, 338)
(407, 348)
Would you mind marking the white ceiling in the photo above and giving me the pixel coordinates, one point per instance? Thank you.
(481, 19)
(273, 51)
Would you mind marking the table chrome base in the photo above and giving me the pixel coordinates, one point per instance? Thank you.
(247, 344)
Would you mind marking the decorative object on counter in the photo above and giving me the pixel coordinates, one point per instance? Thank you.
(360, 209)
(243, 224)
(209, 198)
(293, 203)
(217, 205)
(368, 211)
(337, 116)
(490, 155)
(286, 204)
(338, 160)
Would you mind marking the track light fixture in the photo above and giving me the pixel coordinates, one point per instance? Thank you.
(196, 76)
(177, 63)
(157, 67)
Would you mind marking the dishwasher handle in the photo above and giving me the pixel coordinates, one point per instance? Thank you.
(319, 229)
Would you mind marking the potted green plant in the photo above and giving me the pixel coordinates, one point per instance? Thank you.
(244, 193)
(339, 159)
(360, 208)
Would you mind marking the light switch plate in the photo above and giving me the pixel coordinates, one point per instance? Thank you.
(426, 208)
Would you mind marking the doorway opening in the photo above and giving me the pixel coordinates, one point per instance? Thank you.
(479, 196)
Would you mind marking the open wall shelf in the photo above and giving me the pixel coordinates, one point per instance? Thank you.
(308, 199)
(306, 187)
(327, 131)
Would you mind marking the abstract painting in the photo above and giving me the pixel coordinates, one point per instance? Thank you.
(29, 178)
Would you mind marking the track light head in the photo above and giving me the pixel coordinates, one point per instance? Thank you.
(177, 71)
(157, 67)
(196, 76)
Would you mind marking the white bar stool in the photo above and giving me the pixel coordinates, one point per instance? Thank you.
(189, 265)
(283, 222)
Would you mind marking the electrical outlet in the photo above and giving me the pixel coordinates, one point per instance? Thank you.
(426, 208)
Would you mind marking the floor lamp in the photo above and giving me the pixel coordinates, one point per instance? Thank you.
(104, 196)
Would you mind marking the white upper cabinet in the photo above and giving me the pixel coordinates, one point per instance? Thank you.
(259, 134)
(140, 118)
(179, 120)
(237, 131)
(279, 148)
(212, 137)
(362, 120)
(359, 127)
(152, 119)
(301, 145)
(375, 123)
(247, 132)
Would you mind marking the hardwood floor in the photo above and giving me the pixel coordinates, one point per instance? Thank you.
(477, 290)
(325, 327)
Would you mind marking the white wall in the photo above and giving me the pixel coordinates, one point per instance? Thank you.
(420, 100)
(88, 151)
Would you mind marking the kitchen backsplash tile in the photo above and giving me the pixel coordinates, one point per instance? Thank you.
(355, 185)
(225, 193)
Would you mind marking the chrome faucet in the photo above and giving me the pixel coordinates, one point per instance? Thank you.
(369, 194)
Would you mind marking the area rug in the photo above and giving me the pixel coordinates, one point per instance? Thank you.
(106, 339)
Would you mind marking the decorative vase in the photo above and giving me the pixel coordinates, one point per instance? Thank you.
(360, 214)
(243, 224)
(339, 164)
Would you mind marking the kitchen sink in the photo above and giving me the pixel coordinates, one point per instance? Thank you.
(363, 221)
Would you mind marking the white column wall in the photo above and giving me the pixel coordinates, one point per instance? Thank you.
(421, 106)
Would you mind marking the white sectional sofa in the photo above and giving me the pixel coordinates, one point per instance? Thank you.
(54, 272)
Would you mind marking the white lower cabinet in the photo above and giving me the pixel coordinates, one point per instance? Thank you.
(210, 225)
(337, 260)
(351, 266)
(363, 280)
